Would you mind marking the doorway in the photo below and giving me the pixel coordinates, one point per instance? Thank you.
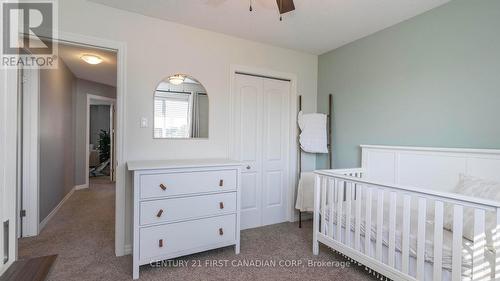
(100, 137)
(9, 145)
(262, 133)
(54, 141)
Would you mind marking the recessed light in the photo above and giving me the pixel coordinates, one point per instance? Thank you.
(91, 59)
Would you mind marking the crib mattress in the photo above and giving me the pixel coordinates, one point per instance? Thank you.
(429, 245)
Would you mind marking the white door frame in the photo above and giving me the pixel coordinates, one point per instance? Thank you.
(292, 146)
(31, 153)
(102, 100)
(8, 167)
(121, 49)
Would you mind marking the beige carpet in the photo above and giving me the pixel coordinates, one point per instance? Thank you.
(82, 235)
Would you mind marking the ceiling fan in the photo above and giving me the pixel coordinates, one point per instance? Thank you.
(284, 6)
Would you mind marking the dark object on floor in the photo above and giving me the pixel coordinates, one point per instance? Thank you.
(99, 170)
(35, 269)
(300, 219)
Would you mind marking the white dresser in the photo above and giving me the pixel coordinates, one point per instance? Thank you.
(183, 207)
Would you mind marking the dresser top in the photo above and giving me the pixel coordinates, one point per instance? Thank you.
(180, 163)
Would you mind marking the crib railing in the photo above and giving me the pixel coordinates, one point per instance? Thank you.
(338, 191)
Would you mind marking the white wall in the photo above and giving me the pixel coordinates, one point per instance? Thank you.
(158, 48)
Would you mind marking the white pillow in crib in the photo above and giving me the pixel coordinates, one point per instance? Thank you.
(479, 188)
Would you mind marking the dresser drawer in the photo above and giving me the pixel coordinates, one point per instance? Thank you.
(185, 237)
(167, 210)
(161, 185)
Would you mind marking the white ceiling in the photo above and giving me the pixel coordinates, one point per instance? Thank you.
(316, 26)
(104, 72)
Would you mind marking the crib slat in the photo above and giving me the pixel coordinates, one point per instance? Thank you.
(392, 228)
(316, 213)
(331, 190)
(323, 205)
(357, 230)
(339, 185)
(406, 234)
(496, 243)
(348, 214)
(456, 260)
(479, 268)
(438, 240)
(368, 221)
(421, 238)
(380, 221)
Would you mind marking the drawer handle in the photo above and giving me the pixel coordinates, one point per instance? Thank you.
(160, 243)
(221, 182)
(160, 212)
(221, 205)
(221, 231)
(163, 187)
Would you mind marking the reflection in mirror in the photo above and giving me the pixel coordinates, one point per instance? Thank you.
(180, 108)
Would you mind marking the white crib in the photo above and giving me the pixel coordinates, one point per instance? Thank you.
(399, 198)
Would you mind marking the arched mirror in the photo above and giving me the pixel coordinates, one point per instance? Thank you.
(180, 108)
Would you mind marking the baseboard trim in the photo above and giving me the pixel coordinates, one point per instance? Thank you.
(54, 211)
(128, 249)
(81, 186)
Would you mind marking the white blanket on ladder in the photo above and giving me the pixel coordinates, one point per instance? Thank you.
(313, 135)
(305, 192)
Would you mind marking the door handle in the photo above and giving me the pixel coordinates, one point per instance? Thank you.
(163, 187)
(160, 243)
(248, 167)
(221, 231)
(160, 212)
(221, 205)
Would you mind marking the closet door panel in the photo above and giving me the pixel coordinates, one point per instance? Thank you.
(250, 131)
(274, 131)
(262, 118)
(275, 140)
(250, 201)
(274, 195)
(248, 98)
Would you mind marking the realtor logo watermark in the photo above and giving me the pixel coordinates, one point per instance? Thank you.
(27, 31)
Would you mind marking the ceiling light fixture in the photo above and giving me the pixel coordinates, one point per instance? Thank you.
(280, 7)
(176, 79)
(91, 59)
(284, 6)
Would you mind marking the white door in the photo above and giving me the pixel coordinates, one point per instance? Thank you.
(275, 150)
(261, 119)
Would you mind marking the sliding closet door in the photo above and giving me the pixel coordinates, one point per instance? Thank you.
(275, 150)
(248, 121)
(261, 137)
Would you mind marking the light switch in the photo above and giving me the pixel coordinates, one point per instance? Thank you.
(144, 122)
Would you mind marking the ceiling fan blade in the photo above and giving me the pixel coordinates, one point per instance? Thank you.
(285, 6)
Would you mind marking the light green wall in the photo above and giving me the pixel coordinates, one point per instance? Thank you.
(433, 80)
